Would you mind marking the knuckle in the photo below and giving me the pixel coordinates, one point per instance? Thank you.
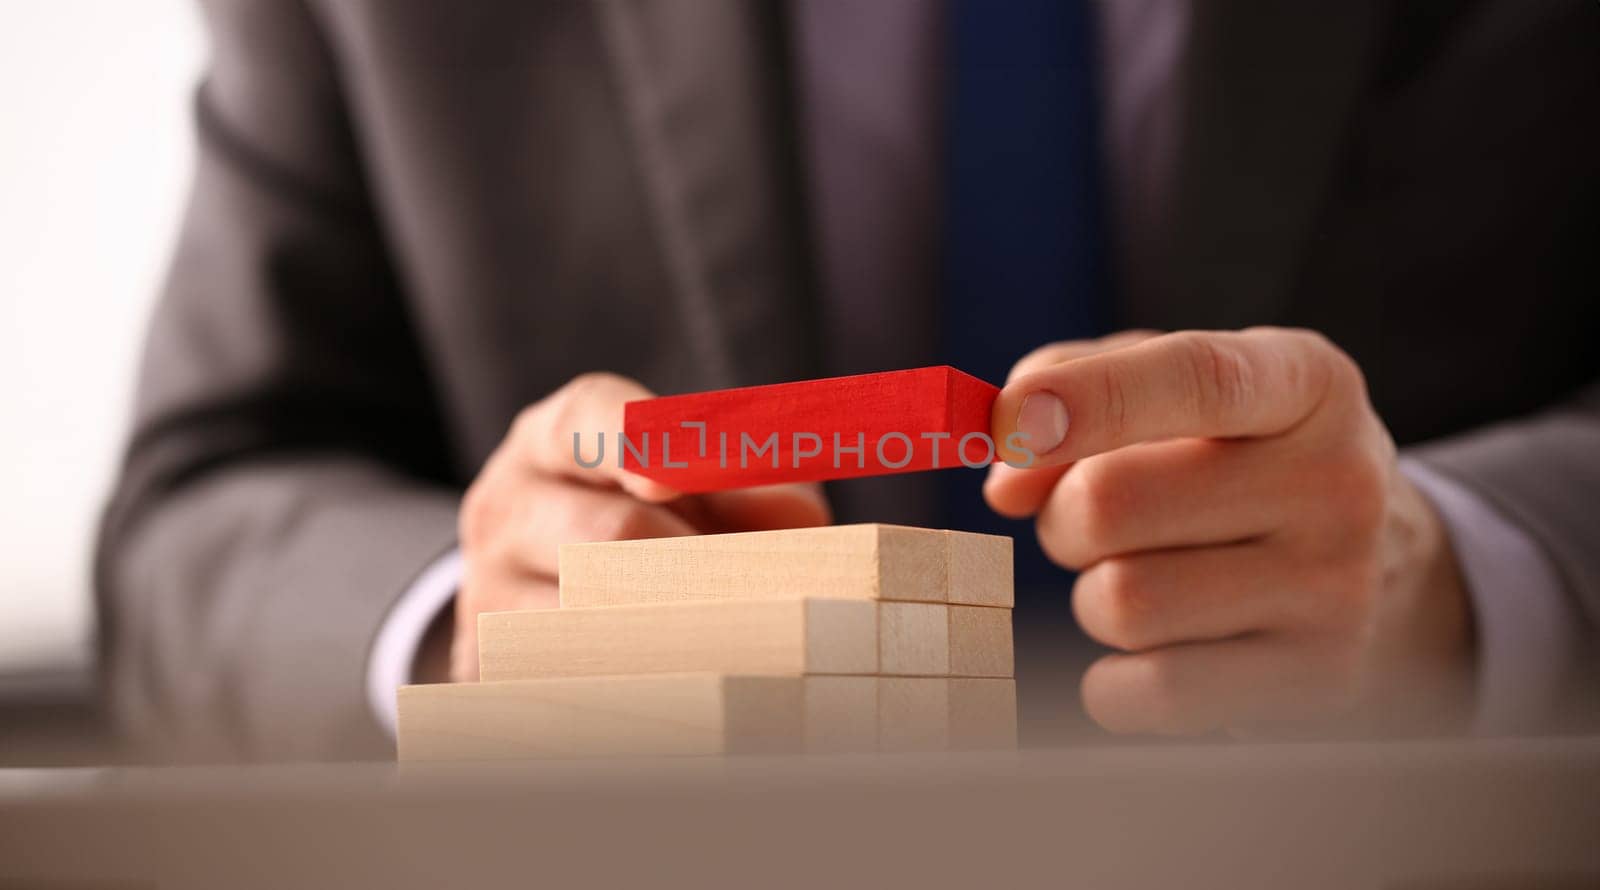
(1358, 493)
(1315, 368)
(567, 407)
(1219, 376)
(1351, 481)
(525, 426)
(1343, 366)
(591, 385)
(1058, 542)
(1064, 528)
(1113, 605)
(1095, 507)
(1114, 395)
(548, 422)
(592, 381)
(1340, 594)
(1104, 694)
(1368, 503)
(1340, 377)
(1310, 338)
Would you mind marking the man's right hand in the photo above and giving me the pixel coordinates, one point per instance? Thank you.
(532, 496)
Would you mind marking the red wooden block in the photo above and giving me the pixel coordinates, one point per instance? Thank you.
(901, 422)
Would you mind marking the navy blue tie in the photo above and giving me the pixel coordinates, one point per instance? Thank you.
(1023, 258)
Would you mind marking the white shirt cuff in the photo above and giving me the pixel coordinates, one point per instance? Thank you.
(1527, 626)
(394, 652)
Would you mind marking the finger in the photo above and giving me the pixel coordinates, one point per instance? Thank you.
(552, 512)
(1168, 597)
(1194, 383)
(582, 419)
(1183, 493)
(766, 507)
(1252, 683)
(1016, 492)
(1056, 353)
(492, 590)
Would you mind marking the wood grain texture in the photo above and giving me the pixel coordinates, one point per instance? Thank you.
(810, 636)
(931, 640)
(946, 715)
(982, 714)
(841, 714)
(801, 636)
(859, 410)
(978, 569)
(866, 561)
(598, 717)
(701, 714)
(980, 642)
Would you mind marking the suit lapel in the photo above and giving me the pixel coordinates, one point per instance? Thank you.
(1270, 91)
(707, 109)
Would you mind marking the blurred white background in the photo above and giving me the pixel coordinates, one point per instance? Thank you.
(94, 158)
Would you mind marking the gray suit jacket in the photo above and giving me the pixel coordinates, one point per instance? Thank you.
(410, 219)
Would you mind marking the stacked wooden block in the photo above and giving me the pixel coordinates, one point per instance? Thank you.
(846, 638)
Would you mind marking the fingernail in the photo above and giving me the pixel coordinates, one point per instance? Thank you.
(1043, 419)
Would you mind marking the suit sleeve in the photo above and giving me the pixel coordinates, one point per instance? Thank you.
(286, 476)
(1543, 474)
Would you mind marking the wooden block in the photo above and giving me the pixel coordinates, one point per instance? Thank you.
(927, 639)
(946, 715)
(868, 561)
(983, 714)
(805, 636)
(805, 427)
(801, 636)
(600, 717)
(841, 715)
(978, 569)
(914, 639)
(701, 714)
(980, 642)
(913, 715)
